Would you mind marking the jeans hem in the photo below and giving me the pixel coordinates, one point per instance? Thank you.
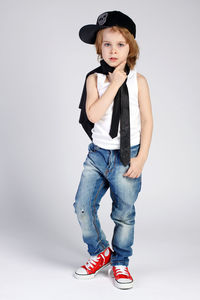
(99, 251)
(117, 263)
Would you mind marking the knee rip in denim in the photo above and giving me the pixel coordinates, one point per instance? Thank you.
(80, 210)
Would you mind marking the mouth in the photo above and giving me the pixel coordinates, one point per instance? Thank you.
(113, 58)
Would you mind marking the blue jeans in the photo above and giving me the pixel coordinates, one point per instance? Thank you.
(102, 170)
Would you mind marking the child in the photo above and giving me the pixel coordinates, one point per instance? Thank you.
(116, 114)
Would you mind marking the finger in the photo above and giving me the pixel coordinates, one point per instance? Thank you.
(128, 172)
(125, 174)
(121, 65)
(138, 175)
(109, 75)
(131, 175)
(132, 172)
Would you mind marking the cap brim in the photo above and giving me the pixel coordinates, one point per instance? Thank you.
(88, 33)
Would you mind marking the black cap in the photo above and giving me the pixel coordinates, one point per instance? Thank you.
(107, 19)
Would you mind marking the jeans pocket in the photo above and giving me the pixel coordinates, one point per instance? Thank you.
(92, 147)
(135, 150)
(89, 147)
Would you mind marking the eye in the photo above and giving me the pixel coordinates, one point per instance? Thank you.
(105, 44)
(121, 44)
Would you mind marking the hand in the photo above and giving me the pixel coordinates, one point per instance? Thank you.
(118, 76)
(135, 169)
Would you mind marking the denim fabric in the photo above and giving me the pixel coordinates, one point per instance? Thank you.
(102, 170)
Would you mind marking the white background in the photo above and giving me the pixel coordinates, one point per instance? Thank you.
(43, 64)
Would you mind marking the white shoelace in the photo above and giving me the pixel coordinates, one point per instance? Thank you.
(120, 269)
(92, 262)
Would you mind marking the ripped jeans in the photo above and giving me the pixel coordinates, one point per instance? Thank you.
(102, 170)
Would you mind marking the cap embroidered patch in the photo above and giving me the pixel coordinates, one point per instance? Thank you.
(102, 18)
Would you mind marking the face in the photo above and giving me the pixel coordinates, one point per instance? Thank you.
(114, 45)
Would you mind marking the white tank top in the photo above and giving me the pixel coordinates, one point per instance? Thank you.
(100, 131)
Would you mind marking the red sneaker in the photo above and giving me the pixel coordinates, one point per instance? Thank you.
(94, 265)
(122, 277)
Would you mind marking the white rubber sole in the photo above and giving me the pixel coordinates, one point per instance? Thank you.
(119, 285)
(89, 276)
(123, 286)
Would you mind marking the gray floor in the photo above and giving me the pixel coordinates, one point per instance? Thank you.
(32, 268)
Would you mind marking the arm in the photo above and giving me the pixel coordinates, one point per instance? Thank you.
(137, 163)
(96, 106)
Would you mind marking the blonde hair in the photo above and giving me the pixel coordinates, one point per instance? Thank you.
(133, 46)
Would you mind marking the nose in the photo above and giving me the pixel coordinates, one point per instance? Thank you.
(113, 50)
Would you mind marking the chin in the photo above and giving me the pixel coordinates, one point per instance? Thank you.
(113, 63)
